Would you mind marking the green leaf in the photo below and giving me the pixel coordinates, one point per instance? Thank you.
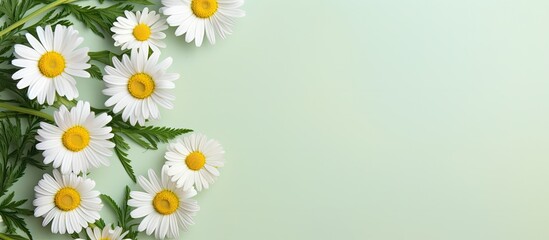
(95, 72)
(14, 222)
(15, 10)
(161, 134)
(122, 213)
(51, 18)
(8, 84)
(75, 235)
(112, 204)
(121, 149)
(98, 20)
(142, 2)
(100, 223)
(14, 206)
(149, 137)
(7, 199)
(139, 141)
(126, 211)
(30, 159)
(105, 57)
(17, 141)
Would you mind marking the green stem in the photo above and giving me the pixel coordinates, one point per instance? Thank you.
(4, 237)
(26, 111)
(9, 115)
(63, 101)
(33, 15)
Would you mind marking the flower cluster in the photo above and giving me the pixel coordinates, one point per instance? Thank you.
(138, 83)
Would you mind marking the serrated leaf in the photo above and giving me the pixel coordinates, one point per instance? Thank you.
(100, 223)
(142, 2)
(51, 18)
(95, 72)
(112, 204)
(139, 141)
(121, 149)
(75, 235)
(123, 213)
(14, 222)
(104, 57)
(7, 200)
(149, 137)
(98, 20)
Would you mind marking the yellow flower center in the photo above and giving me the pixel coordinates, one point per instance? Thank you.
(141, 86)
(165, 202)
(105, 238)
(67, 199)
(195, 160)
(142, 32)
(51, 64)
(204, 8)
(76, 138)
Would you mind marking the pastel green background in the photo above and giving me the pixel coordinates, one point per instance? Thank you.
(363, 119)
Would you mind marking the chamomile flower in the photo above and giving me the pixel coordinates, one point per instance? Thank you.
(140, 30)
(78, 141)
(49, 67)
(107, 234)
(68, 201)
(138, 84)
(193, 160)
(196, 18)
(164, 206)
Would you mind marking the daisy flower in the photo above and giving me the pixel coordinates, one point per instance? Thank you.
(194, 18)
(67, 201)
(107, 234)
(193, 160)
(164, 206)
(139, 30)
(137, 84)
(49, 67)
(78, 141)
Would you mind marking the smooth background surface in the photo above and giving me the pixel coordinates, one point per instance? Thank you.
(364, 119)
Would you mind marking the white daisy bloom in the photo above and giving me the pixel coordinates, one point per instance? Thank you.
(67, 201)
(78, 141)
(107, 234)
(138, 84)
(196, 18)
(139, 30)
(164, 206)
(49, 67)
(193, 160)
